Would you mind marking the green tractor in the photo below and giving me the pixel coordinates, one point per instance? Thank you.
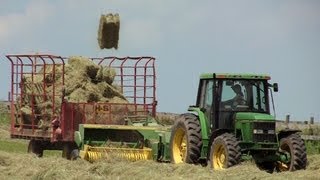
(232, 121)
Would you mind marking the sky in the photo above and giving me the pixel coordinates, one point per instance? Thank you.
(276, 37)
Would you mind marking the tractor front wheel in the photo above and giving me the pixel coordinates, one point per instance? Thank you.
(225, 152)
(186, 140)
(294, 149)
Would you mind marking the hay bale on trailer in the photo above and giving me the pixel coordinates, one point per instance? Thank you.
(85, 82)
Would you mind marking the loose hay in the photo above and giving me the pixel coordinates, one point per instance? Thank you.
(26, 166)
(108, 33)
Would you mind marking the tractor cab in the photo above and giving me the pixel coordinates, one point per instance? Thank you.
(222, 96)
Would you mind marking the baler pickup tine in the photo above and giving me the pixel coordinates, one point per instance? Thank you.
(95, 153)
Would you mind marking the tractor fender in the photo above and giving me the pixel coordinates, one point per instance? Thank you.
(205, 127)
(286, 132)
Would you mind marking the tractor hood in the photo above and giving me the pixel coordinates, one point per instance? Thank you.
(254, 116)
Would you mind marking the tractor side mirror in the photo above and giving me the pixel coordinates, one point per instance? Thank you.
(275, 87)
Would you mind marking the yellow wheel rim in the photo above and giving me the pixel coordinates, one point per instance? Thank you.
(179, 147)
(219, 157)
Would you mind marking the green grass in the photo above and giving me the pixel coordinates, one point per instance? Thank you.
(13, 147)
(313, 147)
(4, 119)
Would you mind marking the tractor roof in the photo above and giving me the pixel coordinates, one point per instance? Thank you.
(234, 76)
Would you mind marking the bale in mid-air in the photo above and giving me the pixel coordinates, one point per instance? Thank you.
(108, 33)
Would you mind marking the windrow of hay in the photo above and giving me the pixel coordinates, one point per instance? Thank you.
(85, 82)
(108, 33)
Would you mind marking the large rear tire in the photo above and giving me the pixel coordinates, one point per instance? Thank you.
(293, 146)
(225, 152)
(35, 147)
(186, 140)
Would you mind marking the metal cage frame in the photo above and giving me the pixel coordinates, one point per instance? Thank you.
(136, 77)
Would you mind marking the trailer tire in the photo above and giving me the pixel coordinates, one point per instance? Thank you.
(186, 140)
(74, 155)
(69, 151)
(294, 146)
(35, 147)
(225, 152)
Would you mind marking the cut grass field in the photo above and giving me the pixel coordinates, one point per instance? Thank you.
(15, 163)
(26, 166)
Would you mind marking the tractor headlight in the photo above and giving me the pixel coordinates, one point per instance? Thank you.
(271, 131)
(257, 131)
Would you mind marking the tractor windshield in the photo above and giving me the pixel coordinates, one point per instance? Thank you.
(244, 95)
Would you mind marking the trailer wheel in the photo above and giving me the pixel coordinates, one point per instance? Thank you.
(70, 151)
(35, 147)
(186, 140)
(224, 152)
(295, 150)
(74, 154)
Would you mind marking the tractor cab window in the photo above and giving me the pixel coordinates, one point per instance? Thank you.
(244, 95)
(209, 94)
(234, 94)
(259, 95)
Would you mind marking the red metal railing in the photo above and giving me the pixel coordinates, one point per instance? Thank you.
(135, 75)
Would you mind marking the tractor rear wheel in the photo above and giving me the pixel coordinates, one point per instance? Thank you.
(186, 140)
(35, 147)
(294, 148)
(225, 152)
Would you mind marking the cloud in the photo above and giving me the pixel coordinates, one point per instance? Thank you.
(21, 24)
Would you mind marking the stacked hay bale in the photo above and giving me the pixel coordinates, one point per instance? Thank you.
(108, 32)
(85, 82)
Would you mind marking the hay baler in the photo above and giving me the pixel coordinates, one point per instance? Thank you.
(41, 113)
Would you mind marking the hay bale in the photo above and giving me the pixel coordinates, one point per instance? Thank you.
(105, 74)
(77, 96)
(75, 81)
(118, 100)
(84, 66)
(108, 91)
(93, 93)
(26, 110)
(108, 32)
(26, 115)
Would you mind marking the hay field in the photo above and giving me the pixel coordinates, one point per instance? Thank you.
(26, 166)
(15, 163)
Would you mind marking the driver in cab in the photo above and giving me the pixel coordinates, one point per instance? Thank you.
(238, 99)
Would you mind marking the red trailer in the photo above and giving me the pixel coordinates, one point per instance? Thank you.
(135, 76)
